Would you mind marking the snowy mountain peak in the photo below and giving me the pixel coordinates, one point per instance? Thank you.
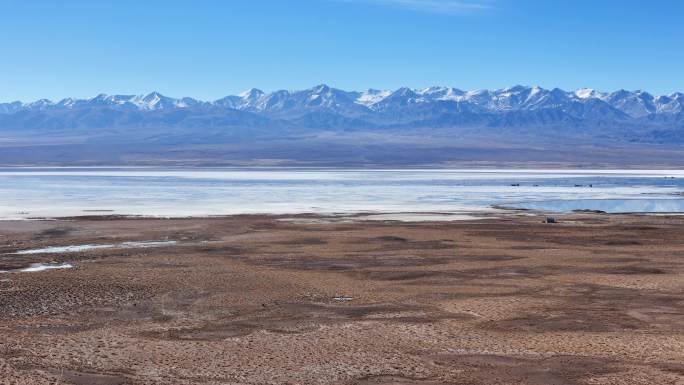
(441, 93)
(321, 89)
(152, 98)
(154, 94)
(67, 102)
(587, 93)
(252, 93)
(371, 96)
(40, 104)
(515, 89)
(431, 90)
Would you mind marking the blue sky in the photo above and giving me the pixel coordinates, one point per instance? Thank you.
(208, 49)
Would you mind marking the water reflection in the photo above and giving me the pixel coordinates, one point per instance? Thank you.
(607, 205)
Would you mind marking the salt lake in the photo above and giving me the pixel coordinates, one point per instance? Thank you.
(167, 192)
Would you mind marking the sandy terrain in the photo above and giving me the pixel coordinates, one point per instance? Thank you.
(593, 299)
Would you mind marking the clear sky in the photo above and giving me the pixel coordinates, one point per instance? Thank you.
(209, 49)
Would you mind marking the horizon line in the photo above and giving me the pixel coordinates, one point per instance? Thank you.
(293, 90)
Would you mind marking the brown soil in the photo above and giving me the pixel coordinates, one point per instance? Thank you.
(593, 299)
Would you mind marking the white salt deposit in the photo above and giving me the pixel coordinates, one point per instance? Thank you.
(42, 267)
(158, 192)
(79, 248)
(36, 267)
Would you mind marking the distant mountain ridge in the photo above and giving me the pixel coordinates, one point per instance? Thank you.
(633, 104)
(402, 126)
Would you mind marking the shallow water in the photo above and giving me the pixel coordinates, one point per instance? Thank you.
(163, 192)
(614, 206)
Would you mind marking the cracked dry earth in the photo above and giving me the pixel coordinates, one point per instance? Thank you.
(594, 299)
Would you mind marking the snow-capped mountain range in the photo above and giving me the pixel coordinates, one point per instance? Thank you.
(515, 112)
(635, 104)
(328, 126)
